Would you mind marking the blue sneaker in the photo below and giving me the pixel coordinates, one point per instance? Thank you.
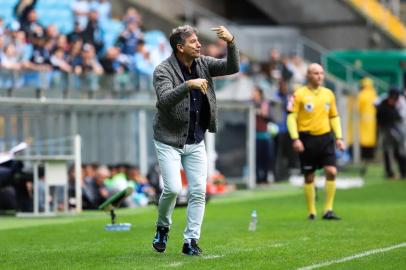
(192, 248)
(160, 239)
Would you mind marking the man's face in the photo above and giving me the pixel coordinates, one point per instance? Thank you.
(315, 75)
(191, 48)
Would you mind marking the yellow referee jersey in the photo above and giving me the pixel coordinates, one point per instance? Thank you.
(314, 108)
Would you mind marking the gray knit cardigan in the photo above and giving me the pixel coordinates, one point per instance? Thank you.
(171, 121)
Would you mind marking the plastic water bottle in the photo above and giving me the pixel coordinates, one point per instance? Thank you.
(253, 223)
(118, 227)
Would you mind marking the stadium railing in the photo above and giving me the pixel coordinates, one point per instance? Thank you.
(57, 84)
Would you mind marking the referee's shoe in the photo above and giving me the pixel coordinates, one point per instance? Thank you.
(330, 215)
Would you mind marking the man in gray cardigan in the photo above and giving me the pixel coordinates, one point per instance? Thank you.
(186, 108)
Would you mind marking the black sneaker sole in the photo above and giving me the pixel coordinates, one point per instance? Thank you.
(158, 250)
(192, 255)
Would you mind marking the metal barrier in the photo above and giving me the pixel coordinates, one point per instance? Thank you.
(57, 84)
(38, 153)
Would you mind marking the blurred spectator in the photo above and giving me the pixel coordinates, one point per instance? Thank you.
(112, 63)
(15, 187)
(286, 72)
(18, 38)
(88, 192)
(155, 179)
(74, 56)
(366, 100)
(88, 63)
(393, 138)
(41, 55)
(22, 9)
(274, 67)
(118, 179)
(59, 62)
(9, 58)
(142, 60)
(160, 52)
(32, 28)
(1, 44)
(132, 15)
(222, 46)
(7, 198)
(103, 8)
(245, 65)
(62, 43)
(76, 34)
(116, 65)
(61, 68)
(212, 50)
(80, 9)
(129, 38)
(143, 191)
(263, 143)
(89, 69)
(101, 191)
(285, 156)
(93, 33)
(298, 69)
(1, 26)
(52, 35)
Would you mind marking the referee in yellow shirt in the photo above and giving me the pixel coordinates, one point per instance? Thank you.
(312, 115)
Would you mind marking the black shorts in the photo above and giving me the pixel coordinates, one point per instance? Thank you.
(319, 151)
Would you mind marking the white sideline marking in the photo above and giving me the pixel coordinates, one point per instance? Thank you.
(356, 256)
(175, 264)
(210, 257)
(341, 182)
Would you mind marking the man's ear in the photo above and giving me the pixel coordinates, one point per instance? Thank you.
(179, 47)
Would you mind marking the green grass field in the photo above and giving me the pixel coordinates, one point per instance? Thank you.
(374, 218)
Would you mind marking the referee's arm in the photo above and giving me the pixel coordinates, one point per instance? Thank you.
(336, 126)
(291, 122)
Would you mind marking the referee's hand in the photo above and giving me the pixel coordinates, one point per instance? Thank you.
(340, 144)
(298, 146)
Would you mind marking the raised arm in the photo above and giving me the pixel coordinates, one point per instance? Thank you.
(229, 65)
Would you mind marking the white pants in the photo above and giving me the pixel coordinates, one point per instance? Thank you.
(194, 161)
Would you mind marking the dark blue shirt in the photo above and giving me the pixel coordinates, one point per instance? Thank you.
(199, 107)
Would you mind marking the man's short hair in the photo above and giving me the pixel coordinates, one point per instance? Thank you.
(394, 92)
(180, 34)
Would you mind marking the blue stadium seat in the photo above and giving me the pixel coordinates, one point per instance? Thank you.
(154, 37)
(112, 29)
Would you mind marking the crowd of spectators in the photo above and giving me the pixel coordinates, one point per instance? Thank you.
(275, 80)
(99, 182)
(42, 57)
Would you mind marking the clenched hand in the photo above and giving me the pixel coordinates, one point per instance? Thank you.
(200, 84)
